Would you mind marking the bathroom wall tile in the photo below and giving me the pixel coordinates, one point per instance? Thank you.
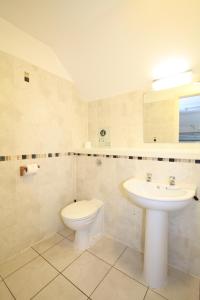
(60, 288)
(86, 266)
(126, 222)
(42, 116)
(194, 263)
(27, 281)
(117, 286)
(179, 251)
(16, 262)
(122, 114)
(6, 102)
(122, 220)
(7, 195)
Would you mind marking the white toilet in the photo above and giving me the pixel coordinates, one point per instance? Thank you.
(86, 218)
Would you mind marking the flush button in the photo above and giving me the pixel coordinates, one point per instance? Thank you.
(104, 137)
(103, 132)
(26, 77)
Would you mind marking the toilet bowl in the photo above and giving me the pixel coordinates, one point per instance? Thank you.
(85, 217)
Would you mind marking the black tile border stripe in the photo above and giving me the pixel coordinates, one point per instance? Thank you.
(131, 157)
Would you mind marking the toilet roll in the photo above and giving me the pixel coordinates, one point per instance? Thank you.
(31, 169)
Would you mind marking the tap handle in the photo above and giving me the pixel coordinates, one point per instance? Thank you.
(148, 176)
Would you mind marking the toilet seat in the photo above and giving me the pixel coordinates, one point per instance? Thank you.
(81, 210)
(85, 217)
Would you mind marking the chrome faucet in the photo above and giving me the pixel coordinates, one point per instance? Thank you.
(172, 180)
(148, 177)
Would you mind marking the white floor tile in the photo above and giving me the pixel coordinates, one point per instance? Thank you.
(131, 262)
(108, 249)
(15, 263)
(180, 286)
(71, 237)
(61, 255)
(117, 286)
(60, 289)
(48, 243)
(4, 292)
(28, 280)
(65, 232)
(86, 272)
(153, 296)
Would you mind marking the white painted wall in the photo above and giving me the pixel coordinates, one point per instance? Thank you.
(111, 46)
(20, 44)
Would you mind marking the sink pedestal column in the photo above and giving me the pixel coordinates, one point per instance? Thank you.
(156, 248)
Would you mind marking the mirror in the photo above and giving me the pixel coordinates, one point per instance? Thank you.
(172, 116)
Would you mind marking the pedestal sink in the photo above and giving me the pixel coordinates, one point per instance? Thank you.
(158, 199)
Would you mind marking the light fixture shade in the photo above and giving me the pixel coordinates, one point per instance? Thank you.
(172, 81)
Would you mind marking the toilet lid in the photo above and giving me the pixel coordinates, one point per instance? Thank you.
(79, 210)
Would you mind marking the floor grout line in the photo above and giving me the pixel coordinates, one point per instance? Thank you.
(87, 250)
(99, 258)
(9, 289)
(32, 247)
(59, 273)
(55, 267)
(66, 237)
(72, 262)
(44, 286)
(124, 273)
(74, 285)
(145, 293)
(129, 276)
(20, 267)
(111, 266)
(120, 256)
(47, 261)
(101, 281)
(159, 294)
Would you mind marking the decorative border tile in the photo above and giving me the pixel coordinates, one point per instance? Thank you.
(131, 157)
(160, 159)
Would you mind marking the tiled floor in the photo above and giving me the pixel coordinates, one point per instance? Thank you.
(54, 270)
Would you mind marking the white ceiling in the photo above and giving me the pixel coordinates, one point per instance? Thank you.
(111, 46)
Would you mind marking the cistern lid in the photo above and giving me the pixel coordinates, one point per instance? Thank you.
(81, 209)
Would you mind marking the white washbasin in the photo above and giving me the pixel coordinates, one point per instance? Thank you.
(158, 199)
(158, 196)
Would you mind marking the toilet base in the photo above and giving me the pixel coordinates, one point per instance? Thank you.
(82, 240)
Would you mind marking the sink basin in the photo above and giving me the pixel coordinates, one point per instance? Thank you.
(158, 199)
(157, 195)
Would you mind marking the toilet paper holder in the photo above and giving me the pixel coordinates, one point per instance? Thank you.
(23, 170)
